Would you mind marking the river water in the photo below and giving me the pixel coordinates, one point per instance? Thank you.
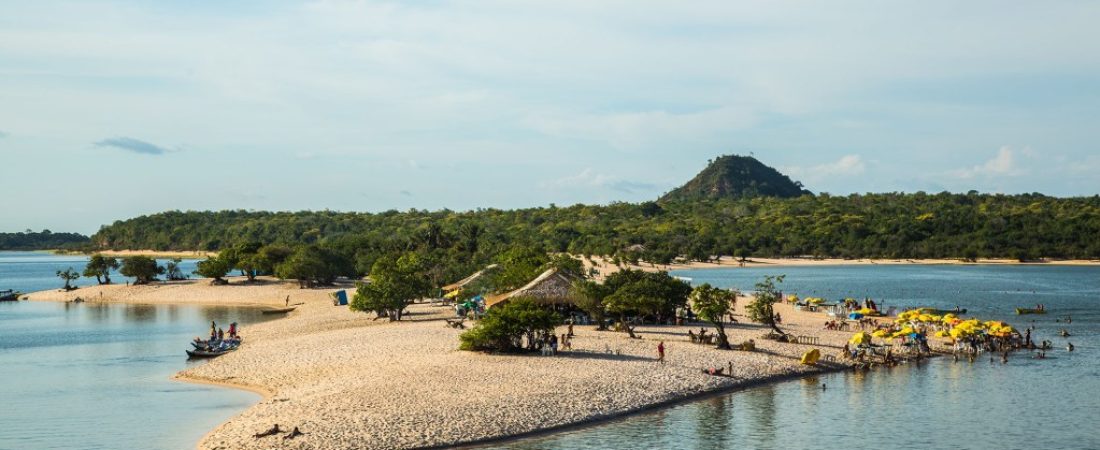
(95, 376)
(1052, 403)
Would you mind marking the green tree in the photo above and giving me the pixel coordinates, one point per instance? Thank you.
(68, 276)
(504, 327)
(172, 270)
(589, 297)
(142, 269)
(713, 305)
(100, 267)
(767, 294)
(519, 265)
(215, 268)
(312, 265)
(394, 283)
(567, 265)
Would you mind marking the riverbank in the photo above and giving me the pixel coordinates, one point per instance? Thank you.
(159, 254)
(605, 267)
(350, 381)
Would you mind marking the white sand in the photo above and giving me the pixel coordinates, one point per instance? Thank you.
(353, 382)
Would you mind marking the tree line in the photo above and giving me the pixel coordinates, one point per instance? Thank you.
(890, 225)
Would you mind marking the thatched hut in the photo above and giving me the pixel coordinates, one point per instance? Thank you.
(549, 288)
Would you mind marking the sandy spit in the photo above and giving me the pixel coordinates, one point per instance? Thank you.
(352, 382)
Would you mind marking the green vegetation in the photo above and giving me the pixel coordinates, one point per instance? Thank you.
(312, 266)
(172, 270)
(642, 295)
(142, 269)
(43, 240)
(760, 309)
(734, 176)
(737, 207)
(504, 328)
(68, 276)
(713, 305)
(214, 267)
(394, 283)
(100, 267)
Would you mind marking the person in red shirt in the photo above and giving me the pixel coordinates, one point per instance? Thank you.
(661, 352)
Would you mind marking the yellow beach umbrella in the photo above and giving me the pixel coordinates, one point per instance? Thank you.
(860, 338)
(881, 333)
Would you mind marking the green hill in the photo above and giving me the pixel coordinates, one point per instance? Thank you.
(734, 176)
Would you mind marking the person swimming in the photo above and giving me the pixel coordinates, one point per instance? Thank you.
(1069, 347)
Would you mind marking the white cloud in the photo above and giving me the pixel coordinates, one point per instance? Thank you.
(847, 165)
(589, 178)
(1004, 164)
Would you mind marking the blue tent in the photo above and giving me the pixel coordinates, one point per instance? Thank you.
(855, 316)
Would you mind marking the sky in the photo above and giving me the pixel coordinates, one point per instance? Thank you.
(115, 109)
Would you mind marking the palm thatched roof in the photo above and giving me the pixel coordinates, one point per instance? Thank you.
(458, 284)
(550, 287)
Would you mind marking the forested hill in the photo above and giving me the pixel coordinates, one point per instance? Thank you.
(874, 225)
(43, 240)
(734, 176)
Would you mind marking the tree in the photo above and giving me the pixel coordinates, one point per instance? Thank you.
(142, 269)
(214, 267)
(172, 270)
(68, 276)
(518, 266)
(567, 265)
(394, 283)
(713, 305)
(312, 265)
(100, 267)
(504, 327)
(638, 297)
(248, 258)
(760, 309)
(589, 297)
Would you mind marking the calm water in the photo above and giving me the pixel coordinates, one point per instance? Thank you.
(1026, 404)
(88, 376)
(37, 271)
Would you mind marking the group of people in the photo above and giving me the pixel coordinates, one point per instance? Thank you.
(550, 344)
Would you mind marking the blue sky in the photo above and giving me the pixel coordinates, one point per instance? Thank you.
(114, 109)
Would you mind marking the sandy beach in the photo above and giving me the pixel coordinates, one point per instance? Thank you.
(353, 382)
(160, 254)
(605, 267)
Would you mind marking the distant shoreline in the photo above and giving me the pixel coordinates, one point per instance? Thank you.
(605, 267)
(161, 254)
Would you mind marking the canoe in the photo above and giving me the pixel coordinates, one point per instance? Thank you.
(9, 296)
(940, 312)
(202, 344)
(1030, 311)
(278, 310)
(210, 354)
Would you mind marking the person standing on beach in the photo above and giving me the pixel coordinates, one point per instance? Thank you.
(661, 352)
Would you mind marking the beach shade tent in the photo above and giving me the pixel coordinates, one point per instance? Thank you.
(549, 288)
(855, 316)
(860, 338)
(881, 334)
(453, 288)
(810, 358)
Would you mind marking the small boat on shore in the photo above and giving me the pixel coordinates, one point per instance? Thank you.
(9, 295)
(278, 310)
(1022, 311)
(209, 353)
